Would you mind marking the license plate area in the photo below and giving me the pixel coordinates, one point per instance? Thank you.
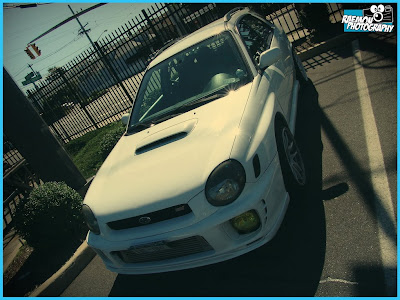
(163, 250)
(149, 248)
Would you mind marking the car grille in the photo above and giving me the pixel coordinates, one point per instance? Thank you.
(175, 249)
(151, 218)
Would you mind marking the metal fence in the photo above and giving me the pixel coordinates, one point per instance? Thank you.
(100, 84)
(18, 180)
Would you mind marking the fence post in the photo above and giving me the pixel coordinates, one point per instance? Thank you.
(175, 19)
(61, 73)
(112, 71)
(59, 123)
(152, 27)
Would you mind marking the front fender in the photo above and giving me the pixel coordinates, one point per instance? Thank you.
(256, 135)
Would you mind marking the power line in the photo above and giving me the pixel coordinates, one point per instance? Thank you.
(24, 5)
(75, 16)
(58, 37)
(19, 72)
(38, 62)
(58, 50)
(87, 47)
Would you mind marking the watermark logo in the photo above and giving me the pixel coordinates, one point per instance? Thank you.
(377, 18)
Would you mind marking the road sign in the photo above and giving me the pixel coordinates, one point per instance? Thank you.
(31, 78)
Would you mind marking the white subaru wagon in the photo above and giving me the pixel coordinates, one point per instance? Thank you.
(204, 170)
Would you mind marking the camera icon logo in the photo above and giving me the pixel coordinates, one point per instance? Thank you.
(377, 12)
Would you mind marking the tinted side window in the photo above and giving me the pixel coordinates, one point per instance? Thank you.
(256, 35)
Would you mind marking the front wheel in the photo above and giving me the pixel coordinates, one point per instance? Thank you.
(292, 165)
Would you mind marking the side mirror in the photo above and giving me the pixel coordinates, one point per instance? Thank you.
(269, 57)
(125, 118)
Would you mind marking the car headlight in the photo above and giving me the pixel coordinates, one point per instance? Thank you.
(90, 219)
(225, 183)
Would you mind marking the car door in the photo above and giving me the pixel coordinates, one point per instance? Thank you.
(258, 36)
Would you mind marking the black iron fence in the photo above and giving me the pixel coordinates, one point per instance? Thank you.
(18, 180)
(100, 84)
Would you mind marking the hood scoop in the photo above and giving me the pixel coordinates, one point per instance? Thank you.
(165, 136)
(161, 142)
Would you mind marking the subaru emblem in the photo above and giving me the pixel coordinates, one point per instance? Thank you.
(144, 220)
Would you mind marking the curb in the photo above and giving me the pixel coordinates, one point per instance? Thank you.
(327, 45)
(57, 283)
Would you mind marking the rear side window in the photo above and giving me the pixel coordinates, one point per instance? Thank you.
(256, 35)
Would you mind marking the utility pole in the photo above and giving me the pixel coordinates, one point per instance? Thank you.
(30, 66)
(83, 28)
(104, 58)
(34, 84)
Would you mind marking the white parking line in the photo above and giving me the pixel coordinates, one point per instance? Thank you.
(383, 199)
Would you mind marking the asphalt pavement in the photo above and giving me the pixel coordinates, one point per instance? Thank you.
(353, 256)
(336, 238)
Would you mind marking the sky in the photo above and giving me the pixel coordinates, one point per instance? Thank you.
(20, 26)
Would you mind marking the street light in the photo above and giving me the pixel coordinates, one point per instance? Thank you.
(101, 34)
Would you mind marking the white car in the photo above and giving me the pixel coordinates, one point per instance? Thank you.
(203, 171)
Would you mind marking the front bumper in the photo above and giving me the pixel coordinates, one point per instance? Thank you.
(213, 239)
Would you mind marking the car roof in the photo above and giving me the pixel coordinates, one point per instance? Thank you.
(212, 29)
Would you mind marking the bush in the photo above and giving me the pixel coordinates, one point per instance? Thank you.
(109, 140)
(50, 216)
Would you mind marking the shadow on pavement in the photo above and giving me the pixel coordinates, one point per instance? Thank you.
(290, 265)
(382, 45)
(364, 274)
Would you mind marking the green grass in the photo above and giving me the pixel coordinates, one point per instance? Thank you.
(85, 151)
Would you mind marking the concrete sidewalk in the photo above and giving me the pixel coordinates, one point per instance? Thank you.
(57, 283)
(11, 245)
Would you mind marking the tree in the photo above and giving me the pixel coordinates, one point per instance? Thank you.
(53, 73)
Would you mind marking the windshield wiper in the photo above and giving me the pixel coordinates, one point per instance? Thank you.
(185, 108)
(175, 112)
(201, 101)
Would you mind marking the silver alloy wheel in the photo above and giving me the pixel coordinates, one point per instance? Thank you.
(293, 157)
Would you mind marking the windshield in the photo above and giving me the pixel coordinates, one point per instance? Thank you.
(211, 67)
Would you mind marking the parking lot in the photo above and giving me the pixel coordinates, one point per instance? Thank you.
(339, 238)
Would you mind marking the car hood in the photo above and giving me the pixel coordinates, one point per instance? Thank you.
(169, 163)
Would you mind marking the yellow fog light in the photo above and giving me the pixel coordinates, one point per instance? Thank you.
(247, 222)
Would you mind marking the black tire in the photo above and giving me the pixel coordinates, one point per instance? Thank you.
(290, 158)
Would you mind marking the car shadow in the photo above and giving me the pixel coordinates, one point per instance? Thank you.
(290, 265)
